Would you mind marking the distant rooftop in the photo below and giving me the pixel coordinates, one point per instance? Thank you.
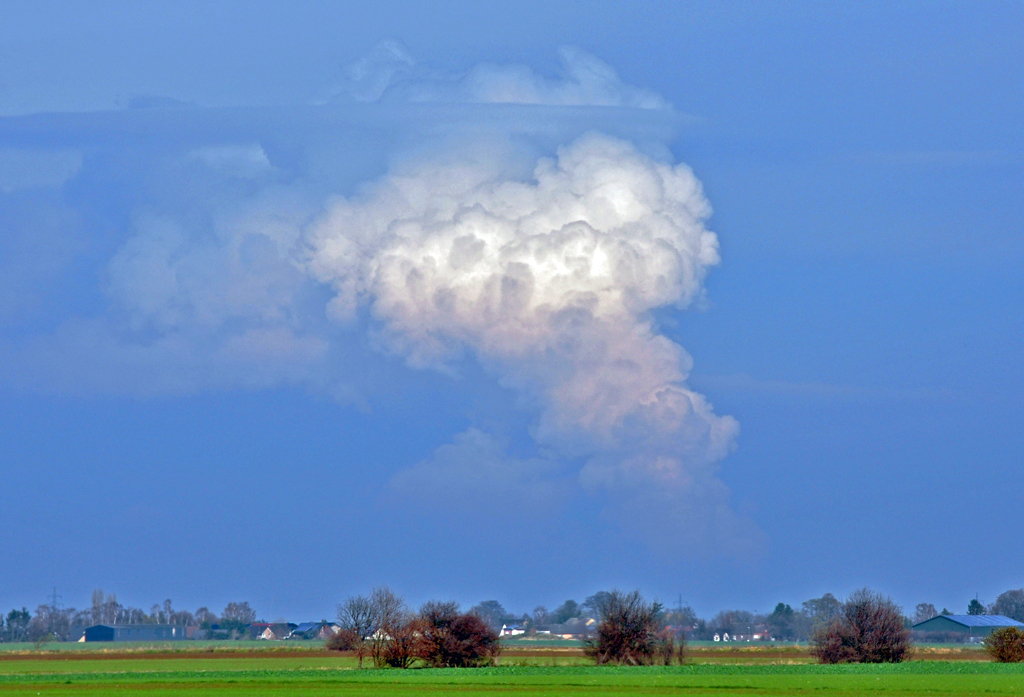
(979, 620)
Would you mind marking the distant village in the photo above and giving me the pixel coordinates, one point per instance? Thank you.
(107, 620)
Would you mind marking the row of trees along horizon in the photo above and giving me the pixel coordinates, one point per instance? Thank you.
(57, 623)
(784, 623)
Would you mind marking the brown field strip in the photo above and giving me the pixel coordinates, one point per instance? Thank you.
(760, 654)
(130, 654)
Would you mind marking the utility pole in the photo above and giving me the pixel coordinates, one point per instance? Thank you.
(54, 599)
(54, 605)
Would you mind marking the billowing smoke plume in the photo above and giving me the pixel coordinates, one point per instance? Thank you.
(550, 283)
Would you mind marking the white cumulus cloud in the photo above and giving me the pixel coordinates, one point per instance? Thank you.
(389, 73)
(483, 241)
(549, 282)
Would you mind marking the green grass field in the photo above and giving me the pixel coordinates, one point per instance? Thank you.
(315, 675)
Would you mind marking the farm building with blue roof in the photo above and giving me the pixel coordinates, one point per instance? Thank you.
(971, 626)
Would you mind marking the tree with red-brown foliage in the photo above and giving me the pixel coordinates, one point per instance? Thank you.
(399, 648)
(343, 640)
(448, 638)
(868, 629)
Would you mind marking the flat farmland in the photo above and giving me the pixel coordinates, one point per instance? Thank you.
(539, 671)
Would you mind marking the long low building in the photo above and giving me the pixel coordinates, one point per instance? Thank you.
(135, 632)
(971, 626)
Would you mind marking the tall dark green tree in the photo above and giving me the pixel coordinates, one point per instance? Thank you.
(592, 605)
(782, 622)
(566, 611)
(975, 608)
(492, 612)
(17, 625)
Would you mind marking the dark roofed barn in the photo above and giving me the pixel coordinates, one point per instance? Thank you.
(100, 632)
(135, 632)
(971, 626)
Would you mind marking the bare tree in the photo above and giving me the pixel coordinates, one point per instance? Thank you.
(373, 622)
(356, 614)
(239, 612)
(870, 629)
(235, 618)
(923, 612)
(358, 620)
(390, 616)
(104, 609)
(1009, 604)
(204, 617)
(388, 606)
(734, 622)
(134, 615)
(98, 600)
(540, 615)
(50, 623)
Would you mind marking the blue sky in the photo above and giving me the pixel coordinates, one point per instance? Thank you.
(227, 373)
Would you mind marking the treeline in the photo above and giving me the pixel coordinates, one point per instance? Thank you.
(867, 628)
(783, 623)
(1009, 604)
(52, 622)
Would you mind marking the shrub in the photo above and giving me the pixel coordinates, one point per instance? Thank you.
(629, 632)
(343, 640)
(1006, 645)
(447, 638)
(868, 629)
(670, 647)
(398, 649)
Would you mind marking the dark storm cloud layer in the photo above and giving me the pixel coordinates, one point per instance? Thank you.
(529, 223)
